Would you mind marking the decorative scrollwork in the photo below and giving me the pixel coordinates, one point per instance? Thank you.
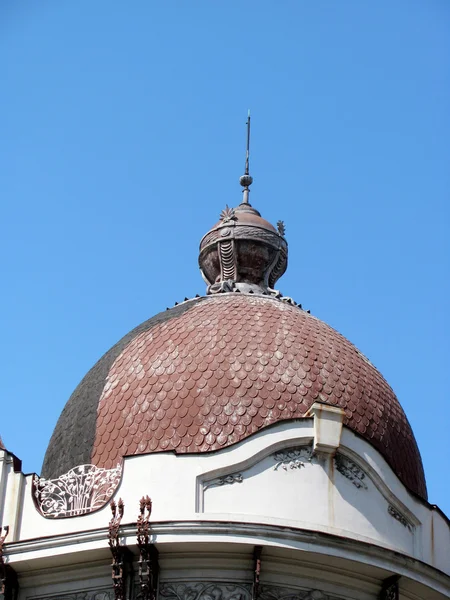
(79, 491)
(8, 577)
(269, 592)
(351, 471)
(293, 458)
(399, 517)
(218, 590)
(204, 591)
(99, 594)
(118, 568)
(257, 551)
(224, 480)
(148, 555)
(281, 227)
(390, 589)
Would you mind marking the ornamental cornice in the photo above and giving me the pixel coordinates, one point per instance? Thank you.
(219, 532)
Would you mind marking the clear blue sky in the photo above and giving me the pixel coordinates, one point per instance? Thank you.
(123, 131)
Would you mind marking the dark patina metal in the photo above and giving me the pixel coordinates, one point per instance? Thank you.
(8, 578)
(390, 589)
(148, 554)
(121, 565)
(256, 571)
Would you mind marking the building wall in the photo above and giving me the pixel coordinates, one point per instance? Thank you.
(274, 489)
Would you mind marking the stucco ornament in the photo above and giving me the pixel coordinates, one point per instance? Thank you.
(351, 471)
(293, 458)
(399, 517)
(79, 491)
(224, 480)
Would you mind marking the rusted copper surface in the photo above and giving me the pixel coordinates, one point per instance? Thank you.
(243, 247)
(249, 217)
(233, 364)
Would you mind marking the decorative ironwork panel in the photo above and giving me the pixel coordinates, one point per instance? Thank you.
(216, 590)
(99, 594)
(208, 590)
(79, 491)
(390, 590)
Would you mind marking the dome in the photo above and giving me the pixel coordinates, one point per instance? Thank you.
(212, 371)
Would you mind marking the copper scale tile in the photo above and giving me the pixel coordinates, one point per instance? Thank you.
(233, 364)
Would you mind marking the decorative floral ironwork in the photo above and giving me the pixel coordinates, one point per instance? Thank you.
(257, 551)
(294, 458)
(269, 592)
(79, 491)
(224, 480)
(206, 590)
(148, 554)
(228, 215)
(350, 470)
(218, 590)
(399, 517)
(281, 227)
(8, 577)
(119, 553)
(100, 594)
(390, 589)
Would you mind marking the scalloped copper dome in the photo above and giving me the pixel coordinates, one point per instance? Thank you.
(210, 372)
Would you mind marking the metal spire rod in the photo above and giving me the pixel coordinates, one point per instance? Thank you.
(247, 155)
(246, 180)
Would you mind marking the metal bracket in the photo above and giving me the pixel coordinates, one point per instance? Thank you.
(256, 571)
(390, 589)
(122, 559)
(9, 587)
(148, 554)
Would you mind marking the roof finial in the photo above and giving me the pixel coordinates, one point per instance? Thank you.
(246, 180)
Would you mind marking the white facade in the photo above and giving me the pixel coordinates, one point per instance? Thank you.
(333, 520)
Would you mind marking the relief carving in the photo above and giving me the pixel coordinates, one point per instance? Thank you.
(399, 517)
(351, 471)
(293, 458)
(224, 480)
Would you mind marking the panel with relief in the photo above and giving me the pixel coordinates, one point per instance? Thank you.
(339, 495)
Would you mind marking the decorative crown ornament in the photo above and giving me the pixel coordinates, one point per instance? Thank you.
(281, 228)
(228, 215)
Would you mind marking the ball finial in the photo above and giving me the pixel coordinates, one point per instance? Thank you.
(245, 180)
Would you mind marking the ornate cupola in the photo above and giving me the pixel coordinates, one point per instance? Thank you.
(243, 252)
